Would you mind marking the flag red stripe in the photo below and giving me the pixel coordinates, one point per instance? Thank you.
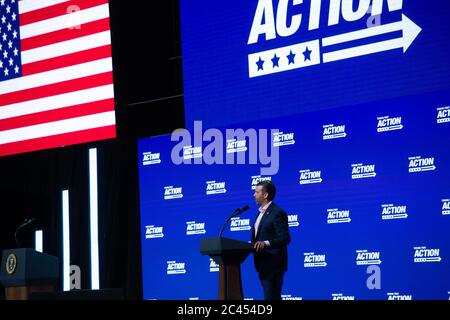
(66, 34)
(60, 140)
(57, 88)
(67, 60)
(58, 114)
(56, 10)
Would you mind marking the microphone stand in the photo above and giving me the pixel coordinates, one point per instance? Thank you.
(27, 222)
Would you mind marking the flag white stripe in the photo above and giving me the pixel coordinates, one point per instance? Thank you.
(57, 102)
(58, 127)
(66, 47)
(55, 76)
(65, 21)
(31, 5)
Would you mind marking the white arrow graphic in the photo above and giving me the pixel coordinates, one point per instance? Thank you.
(437, 259)
(410, 33)
(400, 216)
(335, 136)
(283, 143)
(397, 127)
(317, 180)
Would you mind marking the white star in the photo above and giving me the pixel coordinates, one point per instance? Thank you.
(4, 37)
(8, 9)
(14, 16)
(1, 64)
(13, 1)
(11, 61)
(3, 19)
(2, 2)
(9, 26)
(6, 72)
(1, 47)
(10, 44)
(14, 34)
(5, 54)
(15, 51)
(16, 69)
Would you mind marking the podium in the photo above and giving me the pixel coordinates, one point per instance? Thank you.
(26, 271)
(229, 254)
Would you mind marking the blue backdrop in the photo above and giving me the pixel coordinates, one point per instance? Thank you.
(364, 165)
(218, 89)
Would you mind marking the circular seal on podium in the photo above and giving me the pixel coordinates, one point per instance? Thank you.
(11, 264)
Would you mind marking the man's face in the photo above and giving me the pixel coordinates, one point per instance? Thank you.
(259, 195)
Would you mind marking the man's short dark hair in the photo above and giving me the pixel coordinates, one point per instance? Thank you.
(268, 187)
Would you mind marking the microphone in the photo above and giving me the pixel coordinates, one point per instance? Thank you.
(234, 214)
(245, 208)
(24, 224)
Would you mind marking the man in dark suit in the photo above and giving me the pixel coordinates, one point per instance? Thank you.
(270, 237)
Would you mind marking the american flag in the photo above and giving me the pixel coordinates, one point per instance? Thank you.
(56, 82)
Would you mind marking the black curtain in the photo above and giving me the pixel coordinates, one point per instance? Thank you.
(119, 231)
(31, 187)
